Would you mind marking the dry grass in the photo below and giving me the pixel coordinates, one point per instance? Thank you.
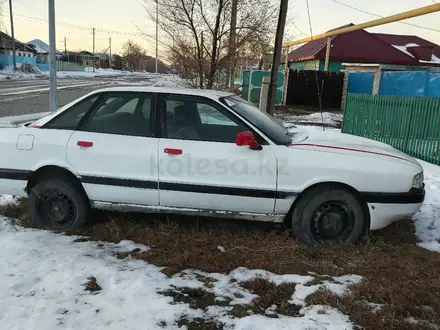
(402, 277)
(92, 285)
(270, 295)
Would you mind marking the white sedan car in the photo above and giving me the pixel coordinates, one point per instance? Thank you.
(208, 153)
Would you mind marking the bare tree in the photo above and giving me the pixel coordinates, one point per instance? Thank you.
(137, 59)
(197, 34)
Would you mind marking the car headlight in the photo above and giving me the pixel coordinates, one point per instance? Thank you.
(418, 181)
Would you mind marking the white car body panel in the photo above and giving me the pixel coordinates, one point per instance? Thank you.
(121, 172)
(224, 166)
(49, 148)
(125, 159)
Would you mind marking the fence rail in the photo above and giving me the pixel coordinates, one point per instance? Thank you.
(410, 124)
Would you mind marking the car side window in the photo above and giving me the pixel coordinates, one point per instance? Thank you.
(199, 120)
(123, 114)
(70, 118)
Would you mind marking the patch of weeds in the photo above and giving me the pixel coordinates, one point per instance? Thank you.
(200, 324)
(18, 211)
(170, 271)
(319, 280)
(81, 240)
(240, 311)
(270, 294)
(196, 298)
(92, 285)
(162, 323)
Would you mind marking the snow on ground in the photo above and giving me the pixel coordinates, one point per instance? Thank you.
(88, 72)
(329, 118)
(167, 80)
(43, 276)
(427, 221)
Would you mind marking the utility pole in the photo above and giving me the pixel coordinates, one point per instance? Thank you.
(276, 56)
(14, 56)
(231, 50)
(327, 53)
(65, 46)
(52, 57)
(94, 64)
(157, 35)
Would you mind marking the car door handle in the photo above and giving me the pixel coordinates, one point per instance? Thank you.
(172, 151)
(85, 144)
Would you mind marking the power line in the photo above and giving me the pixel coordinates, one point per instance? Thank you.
(316, 68)
(310, 19)
(299, 30)
(373, 14)
(78, 27)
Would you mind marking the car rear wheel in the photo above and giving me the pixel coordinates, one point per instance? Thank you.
(58, 204)
(328, 215)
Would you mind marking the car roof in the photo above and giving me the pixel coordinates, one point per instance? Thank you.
(213, 94)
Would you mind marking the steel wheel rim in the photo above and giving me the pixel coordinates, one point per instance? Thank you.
(56, 208)
(332, 221)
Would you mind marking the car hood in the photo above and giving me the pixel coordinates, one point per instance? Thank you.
(15, 121)
(336, 142)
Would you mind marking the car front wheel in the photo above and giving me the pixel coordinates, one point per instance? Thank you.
(328, 214)
(58, 204)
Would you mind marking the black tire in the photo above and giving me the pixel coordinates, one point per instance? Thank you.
(328, 215)
(58, 204)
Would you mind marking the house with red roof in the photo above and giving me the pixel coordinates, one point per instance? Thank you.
(364, 47)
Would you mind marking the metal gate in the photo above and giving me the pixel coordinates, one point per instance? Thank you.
(302, 88)
(251, 87)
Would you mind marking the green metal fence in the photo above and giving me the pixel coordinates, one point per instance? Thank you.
(410, 124)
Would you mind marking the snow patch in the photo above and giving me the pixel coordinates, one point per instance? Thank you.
(7, 199)
(43, 276)
(403, 49)
(327, 118)
(427, 220)
(337, 285)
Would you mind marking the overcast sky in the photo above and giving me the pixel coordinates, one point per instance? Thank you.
(125, 15)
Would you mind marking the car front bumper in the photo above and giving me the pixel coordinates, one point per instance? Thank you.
(387, 208)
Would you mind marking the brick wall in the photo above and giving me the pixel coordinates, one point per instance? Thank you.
(360, 68)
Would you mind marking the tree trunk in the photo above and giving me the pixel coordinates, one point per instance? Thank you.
(232, 51)
(212, 67)
(201, 60)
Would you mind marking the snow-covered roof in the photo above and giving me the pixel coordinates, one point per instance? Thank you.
(40, 46)
(404, 49)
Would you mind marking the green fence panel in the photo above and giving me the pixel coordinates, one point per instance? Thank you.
(252, 81)
(410, 124)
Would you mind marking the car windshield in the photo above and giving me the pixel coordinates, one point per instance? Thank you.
(269, 125)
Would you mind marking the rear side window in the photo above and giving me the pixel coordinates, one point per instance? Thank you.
(70, 118)
(122, 114)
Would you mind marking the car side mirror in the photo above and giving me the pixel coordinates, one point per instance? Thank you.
(247, 139)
